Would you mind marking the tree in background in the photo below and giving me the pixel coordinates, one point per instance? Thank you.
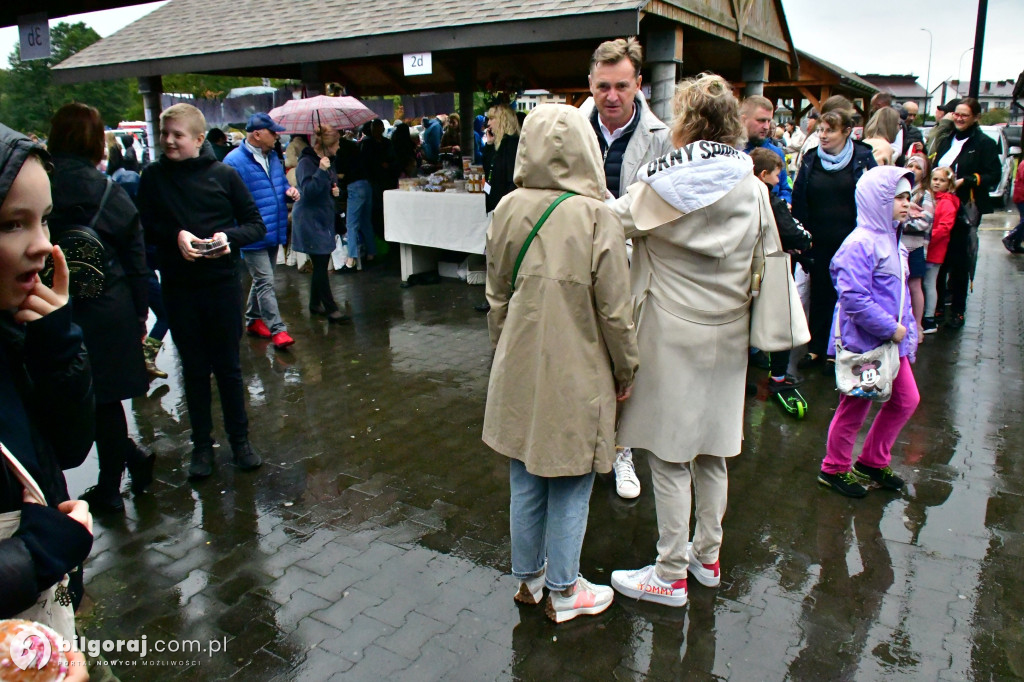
(31, 97)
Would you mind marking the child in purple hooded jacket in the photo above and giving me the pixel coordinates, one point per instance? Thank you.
(869, 272)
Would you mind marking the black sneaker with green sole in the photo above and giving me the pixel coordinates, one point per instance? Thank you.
(844, 483)
(883, 477)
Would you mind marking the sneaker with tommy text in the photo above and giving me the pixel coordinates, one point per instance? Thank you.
(645, 585)
(708, 575)
(627, 485)
(582, 599)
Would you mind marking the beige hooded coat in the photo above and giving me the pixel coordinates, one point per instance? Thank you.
(695, 219)
(565, 338)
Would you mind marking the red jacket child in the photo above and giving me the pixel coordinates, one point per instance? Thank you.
(946, 206)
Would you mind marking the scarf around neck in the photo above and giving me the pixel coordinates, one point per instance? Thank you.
(838, 161)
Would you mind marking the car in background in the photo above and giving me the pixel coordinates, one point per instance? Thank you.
(1003, 192)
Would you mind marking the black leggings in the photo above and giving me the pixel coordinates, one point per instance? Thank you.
(112, 442)
(320, 286)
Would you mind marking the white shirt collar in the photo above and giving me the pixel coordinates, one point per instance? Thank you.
(258, 154)
(609, 136)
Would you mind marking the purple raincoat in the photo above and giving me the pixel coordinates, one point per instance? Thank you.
(866, 270)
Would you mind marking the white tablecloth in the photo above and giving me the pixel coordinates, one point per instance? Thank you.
(456, 221)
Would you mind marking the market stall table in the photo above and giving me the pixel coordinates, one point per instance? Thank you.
(422, 222)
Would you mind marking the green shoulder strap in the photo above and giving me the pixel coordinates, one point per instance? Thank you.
(529, 239)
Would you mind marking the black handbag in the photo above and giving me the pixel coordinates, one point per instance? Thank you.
(86, 255)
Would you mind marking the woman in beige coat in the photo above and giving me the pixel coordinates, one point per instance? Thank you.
(694, 218)
(565, 349)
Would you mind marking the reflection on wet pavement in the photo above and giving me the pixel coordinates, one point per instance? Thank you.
(373, 544)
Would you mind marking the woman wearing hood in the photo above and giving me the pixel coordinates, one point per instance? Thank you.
(870, 275)
(695, 218)
(46, 399)
(565, 350)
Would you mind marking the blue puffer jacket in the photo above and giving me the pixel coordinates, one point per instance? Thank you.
(267, 193)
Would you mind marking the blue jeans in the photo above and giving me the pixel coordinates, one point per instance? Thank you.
(262, 299)
(359, 220)
(548, 519)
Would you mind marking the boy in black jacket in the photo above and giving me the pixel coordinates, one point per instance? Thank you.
(794, 238)
(199, 213)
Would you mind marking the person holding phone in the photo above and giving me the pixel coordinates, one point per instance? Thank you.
(199, 212)
(46, 398)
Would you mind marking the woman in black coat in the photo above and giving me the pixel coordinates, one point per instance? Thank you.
(46, 400)
(974, 158)
(114, 323)
(504, 126)
(823, 200)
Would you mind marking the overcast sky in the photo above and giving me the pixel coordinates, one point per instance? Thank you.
(869, 36)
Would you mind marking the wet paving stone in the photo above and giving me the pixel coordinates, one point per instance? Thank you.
(373, 544)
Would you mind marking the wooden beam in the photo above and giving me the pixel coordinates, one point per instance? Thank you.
(806, 92)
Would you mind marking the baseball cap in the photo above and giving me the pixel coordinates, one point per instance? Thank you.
(261, 121)
(949, 106)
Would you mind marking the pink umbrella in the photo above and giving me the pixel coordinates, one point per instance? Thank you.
(302, 116)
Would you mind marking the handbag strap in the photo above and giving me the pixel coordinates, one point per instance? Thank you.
(529, 239)
(103, 203)
(903, 291)
(24, 476)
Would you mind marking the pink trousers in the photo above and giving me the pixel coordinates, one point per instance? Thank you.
(850, 416)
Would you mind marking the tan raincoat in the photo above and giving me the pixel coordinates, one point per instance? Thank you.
(566, 338)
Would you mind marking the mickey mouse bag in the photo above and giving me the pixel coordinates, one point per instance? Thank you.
(871, 374)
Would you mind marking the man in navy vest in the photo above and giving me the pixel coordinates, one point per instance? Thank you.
(630, 136)
(263, 173)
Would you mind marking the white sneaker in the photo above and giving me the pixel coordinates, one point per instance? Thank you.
(708, 575)
(644, 584)
(586, 599)
(627, 485)
(531, 591)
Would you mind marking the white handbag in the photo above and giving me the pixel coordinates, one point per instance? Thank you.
(869, 375)
(53, 606)
(777, 320)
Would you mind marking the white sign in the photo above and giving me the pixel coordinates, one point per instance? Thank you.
(35, 36)
(419, 64)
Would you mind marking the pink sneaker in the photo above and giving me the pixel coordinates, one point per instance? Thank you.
(282, 340)
(585, 599)
(708, 575)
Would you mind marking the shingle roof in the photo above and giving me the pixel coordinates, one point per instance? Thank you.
(186, 28)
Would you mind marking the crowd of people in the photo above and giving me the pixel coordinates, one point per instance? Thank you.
(636, 294)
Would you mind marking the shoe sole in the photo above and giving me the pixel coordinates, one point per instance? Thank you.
(930, 331)
(640, 595)
(625, 496)
(844, 493)
(563, 616)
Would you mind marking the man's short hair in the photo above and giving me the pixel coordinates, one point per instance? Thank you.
(755, 103)
(765, 160)
(881, 99)
(614, 51)
(192, 118)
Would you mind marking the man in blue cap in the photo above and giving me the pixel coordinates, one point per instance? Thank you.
(263, 173)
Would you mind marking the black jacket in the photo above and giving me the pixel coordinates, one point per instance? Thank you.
(792, 234)
(828, 237)
(503, 169)
(47, 423)
(113, 324)
(203, 196)
(978, 165)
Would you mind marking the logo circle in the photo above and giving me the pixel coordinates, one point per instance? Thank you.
(30, 648)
